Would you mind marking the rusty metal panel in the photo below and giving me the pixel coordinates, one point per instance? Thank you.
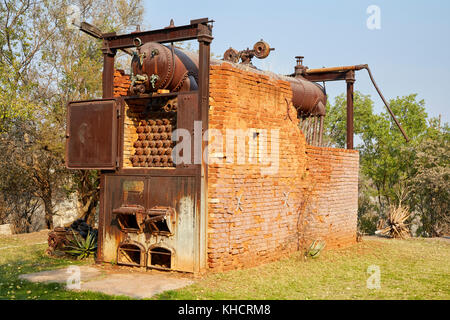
(188, 112)
(92, 134)
(180, 194)
(118, 191)
(150, 192)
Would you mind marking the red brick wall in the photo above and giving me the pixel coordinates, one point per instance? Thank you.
(319, 184)
(121, 83)
(313, 195)
(334, 204)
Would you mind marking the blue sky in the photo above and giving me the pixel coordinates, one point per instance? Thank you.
(409, 54)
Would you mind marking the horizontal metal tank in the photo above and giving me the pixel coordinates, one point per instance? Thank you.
(156, 67)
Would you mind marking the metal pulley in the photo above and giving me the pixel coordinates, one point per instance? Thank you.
(231, 55)
(261, 50)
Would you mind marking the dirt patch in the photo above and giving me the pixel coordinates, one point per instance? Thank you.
(113, 281)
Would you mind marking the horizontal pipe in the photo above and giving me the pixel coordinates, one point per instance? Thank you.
(336, 69)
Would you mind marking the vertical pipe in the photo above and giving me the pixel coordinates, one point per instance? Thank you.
(107, 92)
(350, 82)
(302, 124)
(101, 221)
(318, 131)
(313, 140)
(309, 130)
(321, 131)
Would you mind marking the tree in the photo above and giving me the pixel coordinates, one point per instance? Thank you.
(383, 156)
(430, 184)
(21, 36)
(335, 124)
(76, 62)
(43, 66)
(26, 175)
(392, 171)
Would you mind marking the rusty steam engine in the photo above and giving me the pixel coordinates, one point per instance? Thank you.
(153, 210)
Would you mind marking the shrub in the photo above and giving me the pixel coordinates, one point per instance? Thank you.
(81, 248)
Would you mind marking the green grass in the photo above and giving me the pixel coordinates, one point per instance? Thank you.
(410, 269)
(29, 258)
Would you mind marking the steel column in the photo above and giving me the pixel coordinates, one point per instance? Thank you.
(350, 83)
(321, 131)
(108, 73)
(204, 39)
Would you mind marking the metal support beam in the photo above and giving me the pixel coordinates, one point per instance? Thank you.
(108, 73)
(350, 83)
(327, 76)
(204, 39)
(346, 73)
(170, 34)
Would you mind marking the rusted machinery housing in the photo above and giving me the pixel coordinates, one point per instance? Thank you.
(153, 209)
(156, 66)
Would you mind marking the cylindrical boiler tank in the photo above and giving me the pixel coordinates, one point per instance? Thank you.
(156, 66)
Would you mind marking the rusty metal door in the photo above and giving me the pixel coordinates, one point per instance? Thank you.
(91, 134)
(178, 193)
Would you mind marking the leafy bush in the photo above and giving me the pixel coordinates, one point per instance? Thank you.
(367, 223)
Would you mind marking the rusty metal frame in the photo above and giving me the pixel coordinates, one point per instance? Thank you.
(197, 29)
(143, 253)
(204, 38)
(346, 74)
(149, 256)
(201, 30)
(170, 34)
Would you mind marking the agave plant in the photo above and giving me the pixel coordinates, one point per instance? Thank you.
(395, 224)
(315, 248)
(82, 248)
